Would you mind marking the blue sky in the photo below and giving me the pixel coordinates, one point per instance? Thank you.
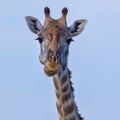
(26, 93)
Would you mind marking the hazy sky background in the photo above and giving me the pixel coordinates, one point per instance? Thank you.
(26, 93)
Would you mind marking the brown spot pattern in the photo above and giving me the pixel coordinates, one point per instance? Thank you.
(59, 73)
(63, 80)
(58, 95)
(59, 108)
(66, 97)
(64, 66)
(65, 88)
(56, 85)
(73, 118)
(69, 109)
(64, 111)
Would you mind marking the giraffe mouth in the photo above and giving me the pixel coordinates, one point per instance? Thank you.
(50, 72)
(51, 68)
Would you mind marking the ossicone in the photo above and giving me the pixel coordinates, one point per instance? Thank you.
(64, 11)
(47, 11)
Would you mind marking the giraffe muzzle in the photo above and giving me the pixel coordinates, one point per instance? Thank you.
(52, 64)
(51, 68)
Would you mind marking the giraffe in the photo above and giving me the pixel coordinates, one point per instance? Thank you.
(54, 38)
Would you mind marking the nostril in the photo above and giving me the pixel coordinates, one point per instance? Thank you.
(57, 57)
(50, 57)
(53, 57)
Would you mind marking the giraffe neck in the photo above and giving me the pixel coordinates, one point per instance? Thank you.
(65, 103)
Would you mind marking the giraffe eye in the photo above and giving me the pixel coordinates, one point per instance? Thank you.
(39, 39)
(69, 41)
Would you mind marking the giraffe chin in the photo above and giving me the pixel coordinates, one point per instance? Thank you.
(51, 68)
(50, 72)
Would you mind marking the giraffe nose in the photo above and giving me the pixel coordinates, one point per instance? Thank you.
(54, 56)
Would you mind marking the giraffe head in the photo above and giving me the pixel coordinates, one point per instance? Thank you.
(54, 38)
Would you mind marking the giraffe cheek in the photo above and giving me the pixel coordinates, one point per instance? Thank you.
(42, 57)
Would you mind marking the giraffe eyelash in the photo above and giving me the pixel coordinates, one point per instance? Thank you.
(39, 39)
(69, 41)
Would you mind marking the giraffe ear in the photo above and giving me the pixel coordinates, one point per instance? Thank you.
(33, 24)
(77, 27)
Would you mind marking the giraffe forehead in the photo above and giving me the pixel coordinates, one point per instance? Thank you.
(54, 32)
(57, 33)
